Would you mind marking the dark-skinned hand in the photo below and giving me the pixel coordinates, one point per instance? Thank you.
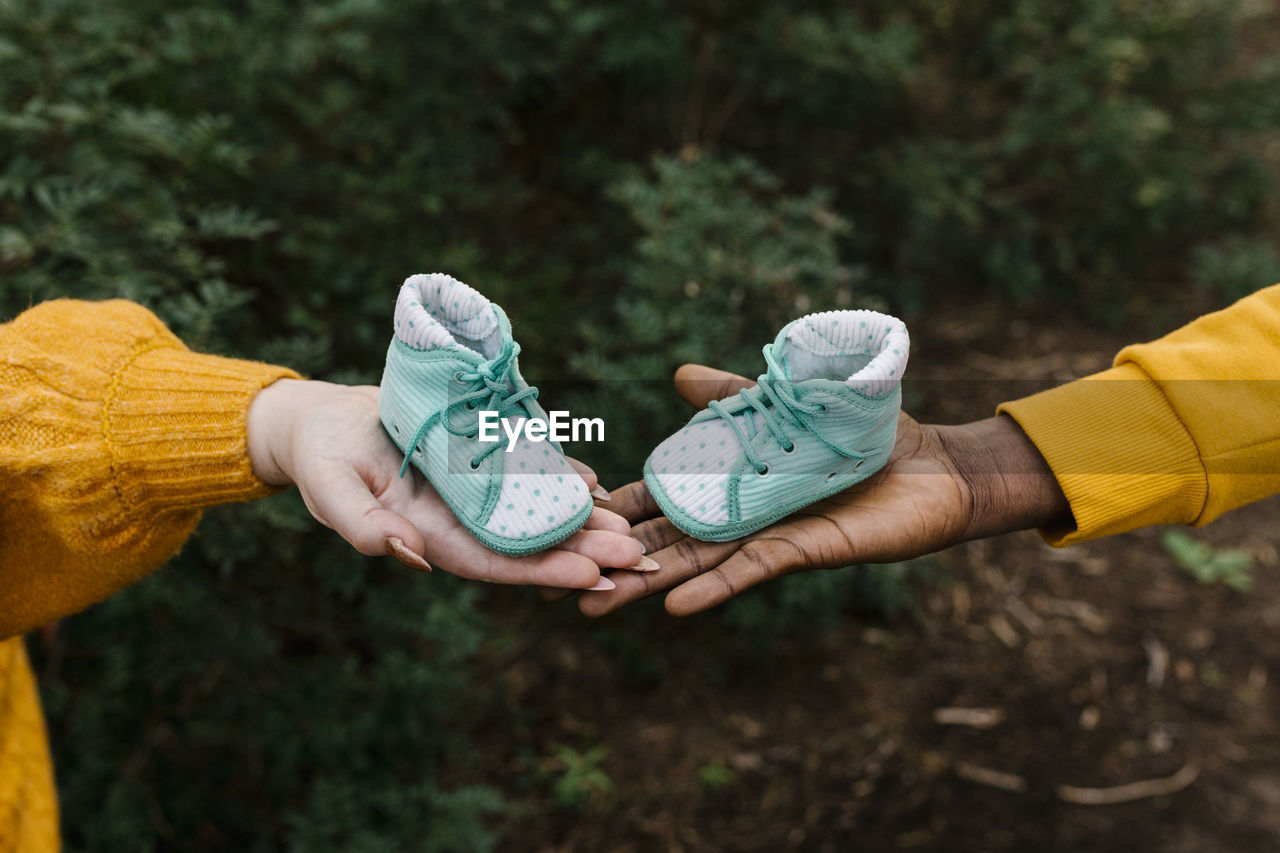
(942, 485)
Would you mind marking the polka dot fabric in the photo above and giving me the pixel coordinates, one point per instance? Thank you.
(879, 337)
(694, 465)
(539, 491)
(432, 309)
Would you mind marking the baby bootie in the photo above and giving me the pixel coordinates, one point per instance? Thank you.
(823, 417)
(452, 360)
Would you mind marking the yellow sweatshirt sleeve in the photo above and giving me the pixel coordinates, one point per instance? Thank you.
(113, 436)
(1179, 430)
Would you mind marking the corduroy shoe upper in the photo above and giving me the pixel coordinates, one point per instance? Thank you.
(453, 358)
(823, 417)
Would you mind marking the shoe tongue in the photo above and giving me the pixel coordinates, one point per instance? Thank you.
(437, 310)
(865, 350)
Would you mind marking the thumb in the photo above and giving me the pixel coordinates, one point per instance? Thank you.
(698, 384)
(343, 501)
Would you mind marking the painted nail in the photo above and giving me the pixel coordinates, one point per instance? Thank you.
(604, 585)
(600, 493)
(396, 548)
(646, 564)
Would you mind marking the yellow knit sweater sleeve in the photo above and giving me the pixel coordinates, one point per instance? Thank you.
(1179, 430)
(113, 435)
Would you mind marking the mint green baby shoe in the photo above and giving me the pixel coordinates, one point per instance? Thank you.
(823, 417)
(453, 359)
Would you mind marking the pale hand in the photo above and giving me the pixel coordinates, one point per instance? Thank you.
(328, 440)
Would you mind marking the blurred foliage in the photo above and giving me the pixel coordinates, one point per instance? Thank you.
(716, 775)
(579, 778)
(1235, 267)
(639, 184)
(1210, 565)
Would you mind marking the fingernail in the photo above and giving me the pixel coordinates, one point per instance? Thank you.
(600, 493)
(643, 548)
(396, 548)
(604, 585)
(646, 564)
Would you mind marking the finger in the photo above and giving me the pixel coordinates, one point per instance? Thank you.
(698, 384)
(603, 519)
(563, 569)
(756, 561)
(634, 503)
(552, 594)
(656, 534)
(588, 476)
(340, 498)
(604, 548)
(681, 561)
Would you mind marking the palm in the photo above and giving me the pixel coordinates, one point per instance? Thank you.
(347, 470)
(916, 504)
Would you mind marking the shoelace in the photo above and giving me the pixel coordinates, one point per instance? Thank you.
(492, 381)
(773, 398)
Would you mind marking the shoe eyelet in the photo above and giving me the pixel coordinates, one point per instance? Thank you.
(475, 465)
(457, 377)
(790, 450)
(396, 427)
(831, 476)
(763, 473)
(472, 406)
(822, 407)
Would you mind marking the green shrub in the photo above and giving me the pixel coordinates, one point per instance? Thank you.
(724, 259)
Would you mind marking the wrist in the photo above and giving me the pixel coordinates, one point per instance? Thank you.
(269, 427)
(1011, 485)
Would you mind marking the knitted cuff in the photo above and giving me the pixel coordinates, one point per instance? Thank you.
(175, 424)
(1121, 455)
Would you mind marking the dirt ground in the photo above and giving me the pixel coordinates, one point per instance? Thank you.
(1028, 679)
